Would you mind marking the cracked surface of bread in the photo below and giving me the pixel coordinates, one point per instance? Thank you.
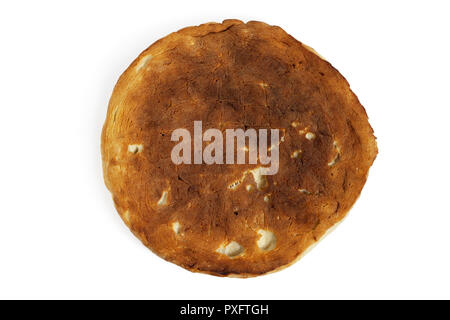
(234, 75)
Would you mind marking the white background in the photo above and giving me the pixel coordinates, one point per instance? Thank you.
(60, 236)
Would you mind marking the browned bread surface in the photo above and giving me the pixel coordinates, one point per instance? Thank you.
(216, 218)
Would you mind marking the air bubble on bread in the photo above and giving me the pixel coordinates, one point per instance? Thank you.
(135, 148)
(260, 178)
(304, 191)
(263, 85)
(143, 62)
(267, 240)
(267, 198)
(310, 136)
(163, 200)
(176, 227)
(296, 153)
(249, 187)
(295, 124)
(337, 156)
(233, 249)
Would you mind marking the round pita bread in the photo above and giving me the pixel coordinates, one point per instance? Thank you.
(228, 219)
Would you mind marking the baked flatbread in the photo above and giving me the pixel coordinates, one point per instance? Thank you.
(228, 219)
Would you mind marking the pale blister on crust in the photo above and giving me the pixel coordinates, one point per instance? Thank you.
(234, 75)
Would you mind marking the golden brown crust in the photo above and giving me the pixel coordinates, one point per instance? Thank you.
(234, 75)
